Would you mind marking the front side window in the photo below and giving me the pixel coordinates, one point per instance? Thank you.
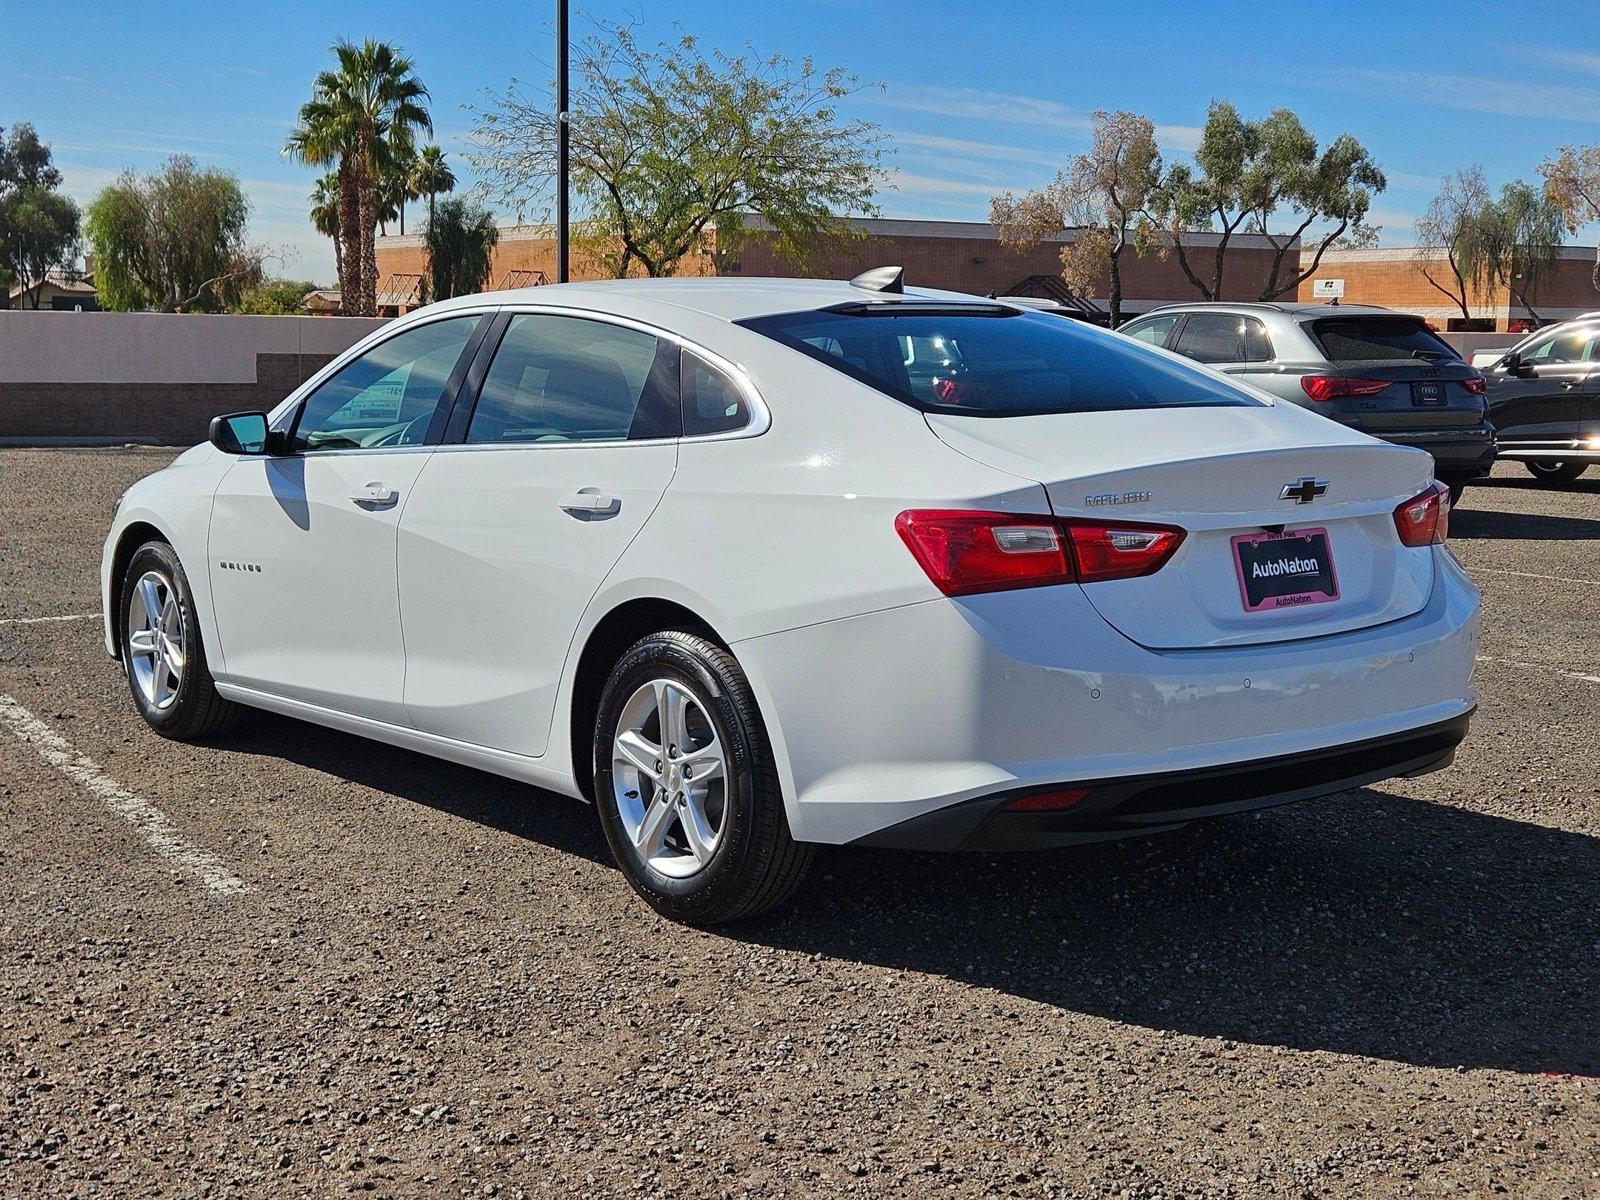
(1568, 346)
(1155, 330)
(388, 396)
(561, 379)
(994, 363)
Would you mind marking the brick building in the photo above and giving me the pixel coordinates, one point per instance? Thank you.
(1398, 278)
(964, 256)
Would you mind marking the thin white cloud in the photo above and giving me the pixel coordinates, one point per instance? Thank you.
(909, 183)
(1577, 60)
(972, 149)
(1523, 98)
(974, 104)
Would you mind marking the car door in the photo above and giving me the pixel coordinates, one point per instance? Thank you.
(302, 543)
(1540, 398)
(510, 531)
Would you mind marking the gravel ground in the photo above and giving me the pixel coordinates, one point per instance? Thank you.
(437, 985)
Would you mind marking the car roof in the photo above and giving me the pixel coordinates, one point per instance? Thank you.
(724, 298)
(1296, 309)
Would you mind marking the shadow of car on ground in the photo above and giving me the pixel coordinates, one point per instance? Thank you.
(1366, 924)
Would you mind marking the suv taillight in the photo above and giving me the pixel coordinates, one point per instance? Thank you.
(1425, 520)
(1323, 388)
(1475, 385)
(965, 552)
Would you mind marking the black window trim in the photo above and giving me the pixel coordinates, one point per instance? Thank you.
(466, 401)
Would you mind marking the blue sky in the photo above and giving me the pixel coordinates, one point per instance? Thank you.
(977, 96)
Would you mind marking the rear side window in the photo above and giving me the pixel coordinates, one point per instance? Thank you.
(565, 379)
(1224, 338)
(1000, 365)
(1356, 339)
(712, 403)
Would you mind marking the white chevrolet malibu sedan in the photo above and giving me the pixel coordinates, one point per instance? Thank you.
(758, 564)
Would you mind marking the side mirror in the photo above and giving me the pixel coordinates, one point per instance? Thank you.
(1513, 364)
(239, 433)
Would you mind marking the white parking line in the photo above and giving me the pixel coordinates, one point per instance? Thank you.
(47, 620)
(149, 820)
(1531, 575)
(1514, 662)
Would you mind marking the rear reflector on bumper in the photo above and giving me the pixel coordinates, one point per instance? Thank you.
(1046, 801)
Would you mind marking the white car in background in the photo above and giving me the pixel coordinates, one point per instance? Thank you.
(757, 564)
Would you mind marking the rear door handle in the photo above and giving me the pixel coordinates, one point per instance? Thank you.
(374, 493)
(590, 502)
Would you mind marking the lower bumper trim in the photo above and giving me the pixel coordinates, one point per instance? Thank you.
(1139, 804)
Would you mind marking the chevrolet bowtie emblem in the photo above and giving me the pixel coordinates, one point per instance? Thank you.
(1304, 492)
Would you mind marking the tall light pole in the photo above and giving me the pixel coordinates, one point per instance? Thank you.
(562, 125)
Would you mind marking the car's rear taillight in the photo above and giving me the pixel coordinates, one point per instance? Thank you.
(1323, 388)
(1120, 551)
(1425, 520)
(1475, 385)
(966, 552)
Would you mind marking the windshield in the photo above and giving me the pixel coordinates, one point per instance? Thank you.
(1352, 339)
(997, 364)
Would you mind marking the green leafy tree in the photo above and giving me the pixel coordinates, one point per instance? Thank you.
(325, 217)
(1572, 183)
(669, 143)
(1453, 229)
(1246, 173)
(431, 176)
(1102, 198)
(38, 225)
(459, 242)
(173, 241)
(1523, 232)
(362, 119)
(274, 297)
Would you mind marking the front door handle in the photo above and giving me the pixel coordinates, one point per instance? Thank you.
(590, 502)
(1566, 385)
(374, 493)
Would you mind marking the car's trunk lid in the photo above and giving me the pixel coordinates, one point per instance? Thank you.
(1219, 474)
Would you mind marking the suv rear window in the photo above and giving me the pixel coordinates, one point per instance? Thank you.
(1352, 339)
(995, 363)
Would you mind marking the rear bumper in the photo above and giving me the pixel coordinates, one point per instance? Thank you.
(1140, 804)
(1457, 453)
(890, 716)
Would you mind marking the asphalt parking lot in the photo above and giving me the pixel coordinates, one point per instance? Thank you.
(408, 978)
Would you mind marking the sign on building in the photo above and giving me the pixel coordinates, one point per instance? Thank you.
(1328, 289)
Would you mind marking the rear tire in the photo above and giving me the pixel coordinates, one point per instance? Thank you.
(685, 784)
(1556, 474)
(162, 654)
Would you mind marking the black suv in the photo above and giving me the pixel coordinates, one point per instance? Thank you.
(1544, 400)
(1383, 372)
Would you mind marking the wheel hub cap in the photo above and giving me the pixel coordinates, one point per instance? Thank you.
(669, 778)
(156, 656)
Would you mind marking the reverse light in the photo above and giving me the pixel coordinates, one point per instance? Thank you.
(1323, 388)
(966, 552)
(1424, 520)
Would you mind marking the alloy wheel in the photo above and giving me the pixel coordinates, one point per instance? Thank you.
(669, 778)
(156, 654)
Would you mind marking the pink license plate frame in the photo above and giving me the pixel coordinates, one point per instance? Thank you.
(1293, 599)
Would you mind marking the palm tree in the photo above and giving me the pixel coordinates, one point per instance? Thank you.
(460, 241)
(362, 116)
(431, 175)
(325, 217)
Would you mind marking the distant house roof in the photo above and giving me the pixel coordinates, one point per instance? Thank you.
(73, 283)
(323, 300)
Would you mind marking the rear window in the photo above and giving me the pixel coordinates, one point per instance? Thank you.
(1349, 339)
(1000, 365)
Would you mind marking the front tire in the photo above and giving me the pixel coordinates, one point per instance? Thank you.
(1556, 474)
(685, 784)
(162, 654)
